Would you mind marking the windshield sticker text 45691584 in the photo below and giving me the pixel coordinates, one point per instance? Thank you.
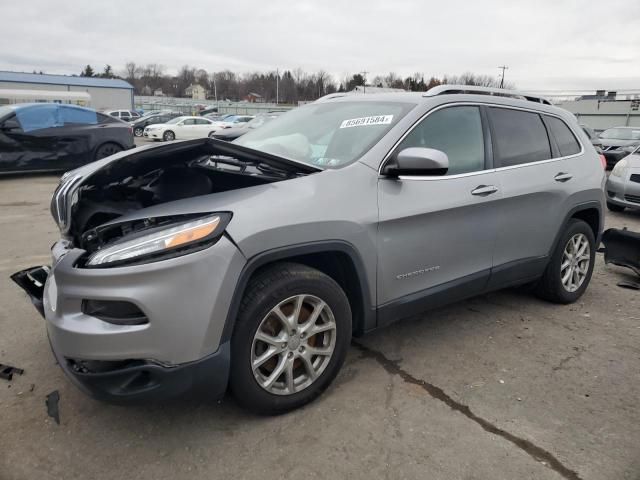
(366, 121)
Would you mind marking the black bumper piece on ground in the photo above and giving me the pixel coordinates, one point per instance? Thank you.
(138, 381)
(622, 247)
(32, 281)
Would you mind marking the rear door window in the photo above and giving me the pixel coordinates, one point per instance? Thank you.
(518, 137)
(76, 116)
(456, 131)
(566, 140)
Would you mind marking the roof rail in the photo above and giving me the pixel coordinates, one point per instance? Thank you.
(473, 90)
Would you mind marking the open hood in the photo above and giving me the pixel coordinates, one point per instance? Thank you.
(104, 190)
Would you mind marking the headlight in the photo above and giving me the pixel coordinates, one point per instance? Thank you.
(173, 239)
(620, 168)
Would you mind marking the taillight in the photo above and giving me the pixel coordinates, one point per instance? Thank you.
(603, 161)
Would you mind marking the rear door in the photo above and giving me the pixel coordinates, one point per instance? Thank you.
(532, 176)
(186, 129)
(436, 234)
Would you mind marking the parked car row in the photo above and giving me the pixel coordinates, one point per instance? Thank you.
(152, 119)
(188, 127)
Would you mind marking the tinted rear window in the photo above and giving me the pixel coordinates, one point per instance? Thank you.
(519, 137)
(565, 139)
(76, 116)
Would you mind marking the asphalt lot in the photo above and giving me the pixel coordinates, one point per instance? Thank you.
(503, 386)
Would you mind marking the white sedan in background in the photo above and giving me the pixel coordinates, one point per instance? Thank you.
(181, 128)
(233, 121)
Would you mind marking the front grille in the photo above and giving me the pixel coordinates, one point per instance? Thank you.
(632, 198)
(635, 177)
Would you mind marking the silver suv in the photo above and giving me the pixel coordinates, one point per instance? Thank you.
(201, 264)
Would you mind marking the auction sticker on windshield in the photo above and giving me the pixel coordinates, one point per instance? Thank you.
(365, 121)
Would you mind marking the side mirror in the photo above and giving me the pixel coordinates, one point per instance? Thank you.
(11, 125)
(417, 161)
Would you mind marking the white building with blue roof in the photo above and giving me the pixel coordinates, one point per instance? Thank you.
(103, 93)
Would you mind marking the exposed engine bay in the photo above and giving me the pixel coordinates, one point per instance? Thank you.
(160, 175)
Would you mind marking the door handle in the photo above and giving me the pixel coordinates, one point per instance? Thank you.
(484, 190)
(563, 177)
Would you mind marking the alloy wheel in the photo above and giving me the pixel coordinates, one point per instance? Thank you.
(293, 344)
(575, 262)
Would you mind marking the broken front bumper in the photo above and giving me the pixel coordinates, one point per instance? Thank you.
(174, 349)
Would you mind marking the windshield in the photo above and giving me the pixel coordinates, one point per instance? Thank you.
(621, 134)
(173, 121)
(327, 134)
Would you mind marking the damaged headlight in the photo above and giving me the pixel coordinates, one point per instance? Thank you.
(169, 240)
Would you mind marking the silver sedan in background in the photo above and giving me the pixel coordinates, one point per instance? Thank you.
(623, 185)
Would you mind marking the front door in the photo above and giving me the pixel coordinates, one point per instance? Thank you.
(28, 140)
(436, 234)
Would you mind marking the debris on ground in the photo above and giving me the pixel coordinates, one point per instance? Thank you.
(629, 285)
(622, 248)
(7, 371)
(52, 406)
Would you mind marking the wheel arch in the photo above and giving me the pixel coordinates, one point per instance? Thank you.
(337, 259)
(589, 212)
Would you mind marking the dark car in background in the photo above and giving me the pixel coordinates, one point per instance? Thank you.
(125, 115)
(593, 137)
(232, 133)
(47, 137)
(139, 125)
(618, 142)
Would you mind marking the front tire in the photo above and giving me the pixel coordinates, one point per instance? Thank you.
(138, 131)
(291, 338)
(569, 270)
(168, 136)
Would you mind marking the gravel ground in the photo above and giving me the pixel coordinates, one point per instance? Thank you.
(502, 386)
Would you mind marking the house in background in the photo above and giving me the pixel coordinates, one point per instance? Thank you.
(158, 92)
(196, 91)
(253, 97)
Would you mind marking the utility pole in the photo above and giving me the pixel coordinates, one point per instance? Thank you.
(503, 67)
(364, 81)
(215, 88)
(277, 86)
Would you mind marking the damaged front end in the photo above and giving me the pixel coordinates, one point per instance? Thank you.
(98, 194)
(90, 200)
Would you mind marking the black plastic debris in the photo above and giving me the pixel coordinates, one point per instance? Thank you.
(7, 371)
(622, 248)
(52, 406)
(629, 285)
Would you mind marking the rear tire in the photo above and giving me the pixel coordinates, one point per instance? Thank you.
(106, 150)
(290, 345)
(138, 131)
(573, 260)
(615, 208)
(168, 136)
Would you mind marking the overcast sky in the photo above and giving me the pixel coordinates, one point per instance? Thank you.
(559, 44)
